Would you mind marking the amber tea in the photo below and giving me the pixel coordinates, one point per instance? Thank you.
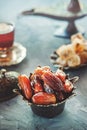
(6, 39)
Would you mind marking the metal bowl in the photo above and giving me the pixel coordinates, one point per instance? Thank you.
(47, 111)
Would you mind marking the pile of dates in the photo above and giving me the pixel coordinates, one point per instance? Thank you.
(45, 87)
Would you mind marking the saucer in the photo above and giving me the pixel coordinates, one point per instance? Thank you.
(53, 59)
(17, 54)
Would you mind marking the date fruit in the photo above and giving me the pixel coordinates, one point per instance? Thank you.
(43, 98)
(52, 81)
(24, 84)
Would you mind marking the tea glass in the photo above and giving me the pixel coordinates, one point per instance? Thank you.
(6, 40)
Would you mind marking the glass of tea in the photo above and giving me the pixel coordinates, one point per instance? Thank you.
(6, 40)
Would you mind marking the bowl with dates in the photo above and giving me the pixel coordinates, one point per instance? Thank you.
(46, 91)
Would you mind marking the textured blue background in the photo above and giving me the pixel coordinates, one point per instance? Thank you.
(36, 34)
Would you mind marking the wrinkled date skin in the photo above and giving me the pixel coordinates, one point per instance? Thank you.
(53, 81)
(43, 98)
(36, 83)
(25, 86)
(61, 75)
(68, 86)
(37, 87)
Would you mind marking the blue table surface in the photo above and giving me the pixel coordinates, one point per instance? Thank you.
(36, 34)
